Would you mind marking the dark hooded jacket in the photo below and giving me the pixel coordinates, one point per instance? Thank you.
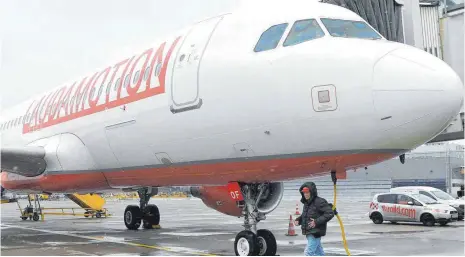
(316, 208)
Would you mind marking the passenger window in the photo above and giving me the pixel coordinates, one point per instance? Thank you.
(403, 199)
(108, 88)
(270, 38)
(136, 77)
(146, 73)
(157, 70)
(349, 29)
(302, 31)
(126, 81)
(117, 84)
(390, 198)
(100, 91)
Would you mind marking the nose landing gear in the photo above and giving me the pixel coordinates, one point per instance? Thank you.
(250, 241)
(146, 213)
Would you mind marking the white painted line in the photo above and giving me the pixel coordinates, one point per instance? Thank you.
(195, 233)
(116, 240)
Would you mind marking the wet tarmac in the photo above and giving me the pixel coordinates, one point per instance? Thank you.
(191, 228)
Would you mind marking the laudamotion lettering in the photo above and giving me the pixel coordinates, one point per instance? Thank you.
(82, 98)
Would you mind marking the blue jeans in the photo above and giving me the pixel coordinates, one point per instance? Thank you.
(314, 247)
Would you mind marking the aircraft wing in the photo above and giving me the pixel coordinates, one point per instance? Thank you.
(26, 161)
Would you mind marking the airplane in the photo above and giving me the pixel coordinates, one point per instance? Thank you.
(232, 106)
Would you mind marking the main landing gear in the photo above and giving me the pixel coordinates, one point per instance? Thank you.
(146, 213)
(250, 241)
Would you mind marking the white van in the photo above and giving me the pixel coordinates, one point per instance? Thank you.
(434, 193)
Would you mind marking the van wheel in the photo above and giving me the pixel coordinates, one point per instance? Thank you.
(428, 220)
(377, 218)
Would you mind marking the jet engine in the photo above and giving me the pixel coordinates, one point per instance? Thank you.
(218, 198)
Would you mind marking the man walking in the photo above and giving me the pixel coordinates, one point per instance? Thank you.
(317, 212)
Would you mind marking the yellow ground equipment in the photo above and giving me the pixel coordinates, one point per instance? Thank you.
(91, 203)
(87, 212)
(91, 206)
(31, 212)
(12, 200)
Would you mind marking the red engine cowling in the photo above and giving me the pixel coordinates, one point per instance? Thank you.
(219, 198)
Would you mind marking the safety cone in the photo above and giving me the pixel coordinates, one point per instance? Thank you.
(297, 209)
(291, 229)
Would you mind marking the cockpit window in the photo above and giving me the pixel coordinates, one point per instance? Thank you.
(349, 29)
(270, 38)
(302, 31)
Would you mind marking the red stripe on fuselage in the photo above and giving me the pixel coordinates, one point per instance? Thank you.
(198, 174)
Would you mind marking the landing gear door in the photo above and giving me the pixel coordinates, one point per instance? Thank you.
(185, 77)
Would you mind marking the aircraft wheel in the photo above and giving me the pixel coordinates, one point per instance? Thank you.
(24, 218)
(151, 216)
(246, 244)
(132, 217)
(98, 215)
(35, 216)
(266, 243)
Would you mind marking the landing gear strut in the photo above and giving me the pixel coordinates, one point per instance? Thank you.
(250, 241)
(146, 213)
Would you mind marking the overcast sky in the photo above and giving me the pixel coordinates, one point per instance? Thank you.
(45, 43)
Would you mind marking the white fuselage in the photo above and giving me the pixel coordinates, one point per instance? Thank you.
(213, 110)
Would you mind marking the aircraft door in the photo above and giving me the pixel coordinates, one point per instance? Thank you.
(185, 76)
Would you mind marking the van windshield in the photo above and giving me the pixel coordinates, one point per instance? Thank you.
(442, 195)
(425, 199)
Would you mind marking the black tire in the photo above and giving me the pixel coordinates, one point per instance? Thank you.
(377, 218)
(24, 218)
(428, 220)
(98, 215)
(151, 216)
(460, 218)
(266, 243)
(132, 217)
(443, 223)
(35, 216)
(86, 214)
(246, 244)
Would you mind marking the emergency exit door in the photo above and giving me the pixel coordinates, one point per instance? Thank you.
(185, 79)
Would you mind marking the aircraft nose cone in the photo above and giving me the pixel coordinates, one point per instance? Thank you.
(419, 91)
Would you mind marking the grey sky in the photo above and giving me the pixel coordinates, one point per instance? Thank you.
(45, 43)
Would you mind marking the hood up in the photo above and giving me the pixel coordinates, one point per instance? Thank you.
(313, 192)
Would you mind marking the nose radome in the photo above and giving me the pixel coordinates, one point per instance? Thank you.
(410, 70)
(419, 93)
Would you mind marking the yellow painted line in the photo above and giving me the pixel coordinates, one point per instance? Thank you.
(102, 239)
